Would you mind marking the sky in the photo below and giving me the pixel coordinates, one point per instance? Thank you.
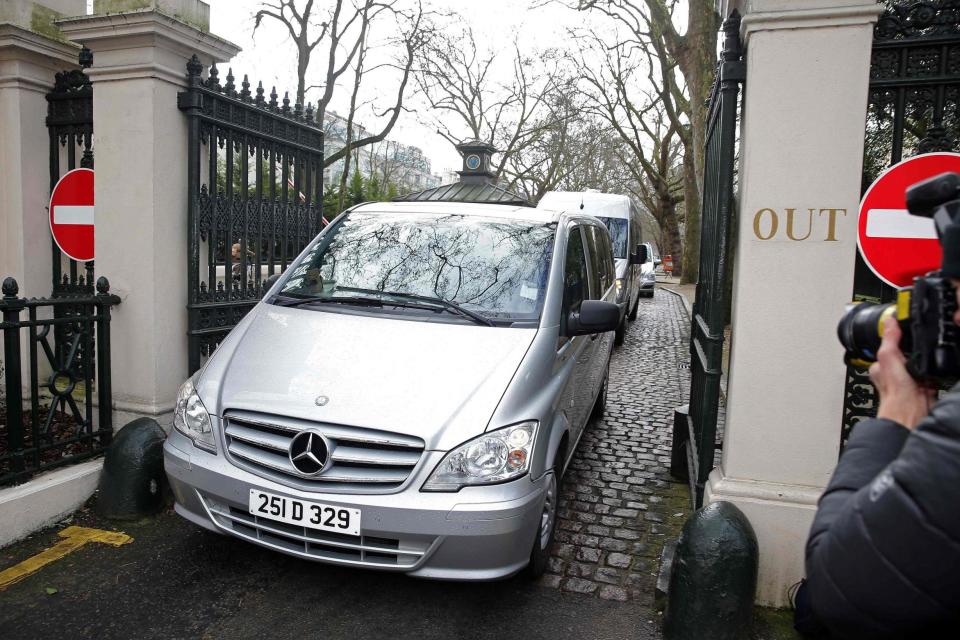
(271, 56)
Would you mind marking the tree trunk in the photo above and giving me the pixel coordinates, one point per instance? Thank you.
(670, 233)
(690, 265)
(303, 62)
(697, 58)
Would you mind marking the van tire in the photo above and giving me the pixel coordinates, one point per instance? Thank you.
(600, 404)
(633, 311)
(621, 332)
(540, 554)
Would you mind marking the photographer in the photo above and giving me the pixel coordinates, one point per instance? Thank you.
(883, 556)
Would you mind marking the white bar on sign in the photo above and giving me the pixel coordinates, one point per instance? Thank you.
(72, 214)
(898, 223)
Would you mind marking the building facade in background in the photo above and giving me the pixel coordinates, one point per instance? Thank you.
(389, 162)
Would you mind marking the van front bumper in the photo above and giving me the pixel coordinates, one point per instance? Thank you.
(478, 533)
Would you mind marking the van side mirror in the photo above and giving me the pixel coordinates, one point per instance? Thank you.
(596, 316)
(641, 256)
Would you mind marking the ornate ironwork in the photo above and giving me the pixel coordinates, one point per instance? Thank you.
(914, 108)
(59, 426)
(70, 123)
(906, 21)
(694, 436)
(255, 191)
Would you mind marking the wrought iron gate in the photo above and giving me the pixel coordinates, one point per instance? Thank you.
(914, 108)
(695, 429)
(255, 191)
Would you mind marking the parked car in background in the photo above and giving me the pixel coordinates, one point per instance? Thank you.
(648, 275)
(408, 394)
(622, 218)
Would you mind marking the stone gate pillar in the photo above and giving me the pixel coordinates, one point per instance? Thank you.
(140, 141)
(800, 170)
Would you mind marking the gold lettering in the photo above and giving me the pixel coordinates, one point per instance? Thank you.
(774, 223)
(790, 213)
(832, 225)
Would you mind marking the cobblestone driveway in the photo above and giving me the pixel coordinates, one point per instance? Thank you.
(619, 504)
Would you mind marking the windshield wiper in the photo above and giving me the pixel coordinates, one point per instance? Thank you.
(429, 302)
(357, 300)
(453, 307)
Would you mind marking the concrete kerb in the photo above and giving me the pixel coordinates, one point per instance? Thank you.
(29, 507)
(683, 299)
(689, 308)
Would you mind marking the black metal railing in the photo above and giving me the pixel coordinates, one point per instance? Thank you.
(50, 424)
(695, 429)
(255, 190)
(913, 108)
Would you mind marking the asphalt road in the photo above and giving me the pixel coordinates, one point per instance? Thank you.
(178, 581)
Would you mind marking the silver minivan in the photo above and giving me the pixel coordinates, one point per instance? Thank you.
(622, 218)
(407, 396)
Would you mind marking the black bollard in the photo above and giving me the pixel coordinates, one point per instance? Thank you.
(131, 483)
(714, 577)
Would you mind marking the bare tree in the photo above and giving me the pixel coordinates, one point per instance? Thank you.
(468, 98)
(620, 85)
(650, 23)
(342, 33)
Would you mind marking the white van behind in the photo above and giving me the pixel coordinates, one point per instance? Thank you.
(622, 219)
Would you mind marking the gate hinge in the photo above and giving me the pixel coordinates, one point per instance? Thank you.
(733, 71)
(188, 100)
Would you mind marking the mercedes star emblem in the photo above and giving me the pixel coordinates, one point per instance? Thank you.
(308, 453)
(321, 400)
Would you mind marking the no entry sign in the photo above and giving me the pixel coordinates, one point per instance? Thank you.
(71, 214)
(896, 245)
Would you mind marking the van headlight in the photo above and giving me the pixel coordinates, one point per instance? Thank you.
(493, 457)
(619, 288)
(191, 419)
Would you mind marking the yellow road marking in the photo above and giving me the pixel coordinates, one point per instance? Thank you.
(73, 539)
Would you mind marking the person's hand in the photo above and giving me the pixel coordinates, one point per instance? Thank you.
(901, 398)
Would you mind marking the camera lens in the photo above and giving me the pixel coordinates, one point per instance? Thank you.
(860, 330)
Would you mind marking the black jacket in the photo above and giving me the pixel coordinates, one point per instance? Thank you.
(883, 557)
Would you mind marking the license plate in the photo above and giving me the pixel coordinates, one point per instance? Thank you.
(303, 513)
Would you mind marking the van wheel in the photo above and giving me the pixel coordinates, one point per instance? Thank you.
(633, 311)
(621, 332)
(546, 528)
(601, 403)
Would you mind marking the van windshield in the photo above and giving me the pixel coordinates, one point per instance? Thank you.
(495, 267)
(618, 234)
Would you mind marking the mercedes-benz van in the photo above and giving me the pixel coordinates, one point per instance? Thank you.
(622, 218)
(408, 394)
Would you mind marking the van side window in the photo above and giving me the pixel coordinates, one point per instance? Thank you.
(575, 281)
(596, 270)
(601, 257)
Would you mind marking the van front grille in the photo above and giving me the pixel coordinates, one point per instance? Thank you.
(360, 460)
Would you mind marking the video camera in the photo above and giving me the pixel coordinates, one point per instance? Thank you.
(931, 339)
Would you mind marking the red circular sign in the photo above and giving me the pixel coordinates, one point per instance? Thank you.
(896, 245)
(71, 214)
